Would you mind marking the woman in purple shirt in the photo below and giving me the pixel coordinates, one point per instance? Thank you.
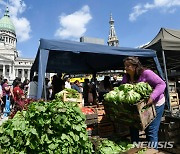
(135, 72)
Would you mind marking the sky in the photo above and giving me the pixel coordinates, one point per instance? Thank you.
(137, 22)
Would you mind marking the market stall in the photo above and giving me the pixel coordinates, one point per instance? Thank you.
(77, 57)
(166, 43)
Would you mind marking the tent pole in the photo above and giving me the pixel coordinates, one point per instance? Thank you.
(167, 83)
(43, 59)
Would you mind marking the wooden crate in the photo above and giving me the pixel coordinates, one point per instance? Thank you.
(169, 130)
(78, 100)
(105, 129)
(65, 99)
(174, 99)
(121, 130)
(172, 86)
(131, 114)
(92, 118)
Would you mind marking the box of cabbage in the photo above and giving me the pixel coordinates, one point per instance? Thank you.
(127, 104)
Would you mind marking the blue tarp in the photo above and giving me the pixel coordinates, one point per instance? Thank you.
(77, 57)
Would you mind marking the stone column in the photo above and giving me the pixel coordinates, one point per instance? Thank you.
(22, 78)
(16, 72)
(28, 75)
(4, 70)
(10, 71)
(13, 72)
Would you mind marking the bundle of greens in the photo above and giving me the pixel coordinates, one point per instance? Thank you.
(143, 88)
(129, 93)
(46, 127)
(111, 147)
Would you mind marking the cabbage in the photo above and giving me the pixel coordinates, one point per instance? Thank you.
(144, 89)
(111, 96)
(120, 97)
(132, 97)
(116, 89)
(126, 87)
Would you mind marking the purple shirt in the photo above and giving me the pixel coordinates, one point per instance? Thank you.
(154, 81)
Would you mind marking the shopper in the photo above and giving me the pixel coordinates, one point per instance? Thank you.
(105, 86)
(135, 72)
(18, 96)
(8, 96)
(32, 89)
(77, 86)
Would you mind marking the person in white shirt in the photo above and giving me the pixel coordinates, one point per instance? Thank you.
(32, 90)
(67, 83)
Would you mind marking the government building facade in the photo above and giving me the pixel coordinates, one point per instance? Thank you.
(11, 65)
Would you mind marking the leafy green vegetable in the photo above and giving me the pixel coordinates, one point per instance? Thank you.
(46, 127)
(111, 96)
(121, 96)
(126, 87)
(132, 97)
(144, 89)
(129, 93)
(111, 147)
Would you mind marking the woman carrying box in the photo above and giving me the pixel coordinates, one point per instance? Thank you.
(135, 73)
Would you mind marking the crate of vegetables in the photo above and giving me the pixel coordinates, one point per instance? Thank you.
(127, 104)
(69, 95)
(91, 115)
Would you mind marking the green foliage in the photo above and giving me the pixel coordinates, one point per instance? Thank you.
(46, 127)
(129, 93)
(111, 96)
(126, 87)
(111, 147)
(143, 88)
(132, 97)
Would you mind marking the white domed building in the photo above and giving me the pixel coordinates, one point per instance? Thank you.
(11, 66)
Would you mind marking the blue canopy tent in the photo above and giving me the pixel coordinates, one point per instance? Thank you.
(77, 57)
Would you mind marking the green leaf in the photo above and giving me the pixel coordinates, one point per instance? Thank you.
(53, 146)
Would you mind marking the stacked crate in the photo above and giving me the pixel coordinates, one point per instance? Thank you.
(105, 127)
(169, 131)
(91, 121)
(174, 98)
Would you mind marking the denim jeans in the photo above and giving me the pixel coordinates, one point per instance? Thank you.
(152, 130)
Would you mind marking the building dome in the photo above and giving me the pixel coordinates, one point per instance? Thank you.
(6, 23)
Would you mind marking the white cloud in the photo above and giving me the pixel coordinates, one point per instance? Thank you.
(168, 6)
(73, 26)
(22, 24)
(137, 11)
(22, 28)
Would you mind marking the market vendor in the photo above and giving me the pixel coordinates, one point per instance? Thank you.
(135, 73)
